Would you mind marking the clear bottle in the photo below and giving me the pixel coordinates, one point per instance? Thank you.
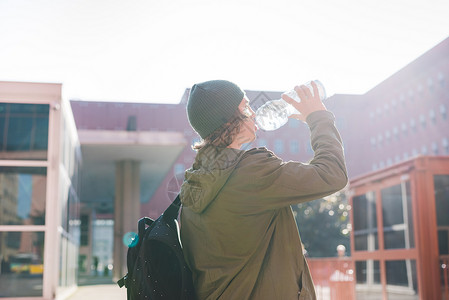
(274, 114)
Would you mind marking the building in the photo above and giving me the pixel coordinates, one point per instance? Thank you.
(39, 204)
(401, 118)
(400, 236)
(54, 209)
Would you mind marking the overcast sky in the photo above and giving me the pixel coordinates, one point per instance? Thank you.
(151, 51)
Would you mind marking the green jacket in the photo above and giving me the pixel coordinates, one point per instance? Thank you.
(237, 228)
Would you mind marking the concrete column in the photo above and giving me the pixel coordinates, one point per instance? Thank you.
(126, 210)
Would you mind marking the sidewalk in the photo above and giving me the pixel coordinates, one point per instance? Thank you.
(98, 292)
(97, 288)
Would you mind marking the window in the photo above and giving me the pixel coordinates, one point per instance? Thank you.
(378, 111)
(420, 89)
(396, 132)
(179, 169)
(365, 222)
(401, 278)
(410, 94)
(293, 123)
(23, 131)
(402, 99)
(424, 150)
(422, 120)
(432, 116)
(309, 149)
(443, 111)
(22, 264)
(380, 138)
(413, 125)
(404, 128)
(367, 275)
(394, 103)
(430, 84)
(367, 272)
(397, 217)
(389, 162)
(84, 230)
(435, 148)
(294, 146)
(405, 155)
(441, 186)
(278, 146)
(262, 143)
(388, 135)
(22, 195)
(195, 140)
(441, 79)
(445, 145)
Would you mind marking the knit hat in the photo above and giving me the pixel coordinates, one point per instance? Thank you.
(212, 104)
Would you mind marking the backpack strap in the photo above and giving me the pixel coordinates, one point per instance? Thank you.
(122, 281)
(171, 213)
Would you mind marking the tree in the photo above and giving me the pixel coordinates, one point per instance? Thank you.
(324, 224)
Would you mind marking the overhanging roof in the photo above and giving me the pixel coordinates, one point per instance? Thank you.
(101, 149)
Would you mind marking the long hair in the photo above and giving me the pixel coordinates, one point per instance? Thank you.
(223, 135)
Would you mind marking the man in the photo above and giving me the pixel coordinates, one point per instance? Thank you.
(237, 227)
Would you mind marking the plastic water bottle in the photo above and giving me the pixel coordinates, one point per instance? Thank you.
(274, 114)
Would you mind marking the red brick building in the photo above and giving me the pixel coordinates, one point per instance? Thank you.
(402, 117)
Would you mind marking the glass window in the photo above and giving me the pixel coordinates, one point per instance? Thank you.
(367, 271)
(413, 124)
(401, 279)
(404, 128)
(422, 120)
(365, 222)
(410, 94)
(23, 131)
(397, 217)
(443, 111)
(424, 150)
(74, 215)
(443, 241)
(445, 145)
(279, 146)
(262, 143)
(435, 148)
(179, 169)
(441, 186)
(441, 78)
(294, 146)
(309, 149)
(84, 230)
(22, 195)
(293, 123)
(22, 264)
(368, 280)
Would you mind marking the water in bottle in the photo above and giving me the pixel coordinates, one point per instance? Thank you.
(274, 114)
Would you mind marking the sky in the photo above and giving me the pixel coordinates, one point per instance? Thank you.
(151, 51)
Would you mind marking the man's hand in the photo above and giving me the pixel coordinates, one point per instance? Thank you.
(308, 103)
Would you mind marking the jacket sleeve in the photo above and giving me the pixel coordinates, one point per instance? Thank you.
(274, 183)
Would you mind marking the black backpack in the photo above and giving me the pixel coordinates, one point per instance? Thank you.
(156, 265)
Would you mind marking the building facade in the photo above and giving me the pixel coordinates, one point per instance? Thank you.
(402, 117)
(134, 156)
(39, 204)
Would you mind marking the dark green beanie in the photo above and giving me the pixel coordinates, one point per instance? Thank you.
(212, 104)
